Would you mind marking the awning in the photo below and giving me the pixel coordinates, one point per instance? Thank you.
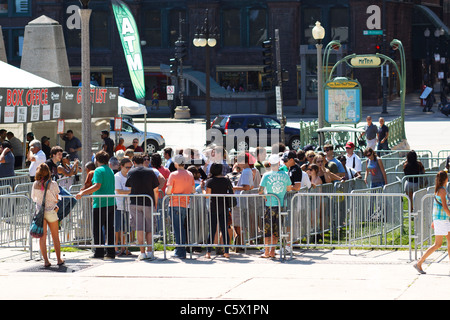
(433, 18)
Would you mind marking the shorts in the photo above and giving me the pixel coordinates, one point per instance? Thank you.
(271, 222)
(141, 218)
(411, 187)
(121, 221)
(236, 216)
(441, 227)
(51, 216)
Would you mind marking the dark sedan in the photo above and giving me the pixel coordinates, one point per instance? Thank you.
(264, 126)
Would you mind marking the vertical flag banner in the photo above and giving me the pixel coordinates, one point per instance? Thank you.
(131, 46)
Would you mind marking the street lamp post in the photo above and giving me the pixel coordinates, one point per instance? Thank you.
(318, 33)
(86, 142)
(206, 37)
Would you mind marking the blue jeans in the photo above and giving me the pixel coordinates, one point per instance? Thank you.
(377, 184)
(178, 216)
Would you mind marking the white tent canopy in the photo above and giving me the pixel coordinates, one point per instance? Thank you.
(130, 107)
(13, 77)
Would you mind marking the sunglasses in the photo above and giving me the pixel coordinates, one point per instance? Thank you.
(126, 167)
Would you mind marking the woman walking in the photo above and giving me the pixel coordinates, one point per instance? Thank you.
(441, 219)
(43, 183)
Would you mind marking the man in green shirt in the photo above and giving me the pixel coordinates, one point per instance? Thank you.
(103, 183)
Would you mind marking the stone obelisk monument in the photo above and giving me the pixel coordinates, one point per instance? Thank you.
(44, 51)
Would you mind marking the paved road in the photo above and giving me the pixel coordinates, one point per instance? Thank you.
(424, 131)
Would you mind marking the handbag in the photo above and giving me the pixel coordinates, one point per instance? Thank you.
(37, 225)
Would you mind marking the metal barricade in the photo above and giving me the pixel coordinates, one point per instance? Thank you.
(417, 182)
(360, 222)
(14, 180)
(212, 220)
(423, 219)
(16, 213)
(94, 222)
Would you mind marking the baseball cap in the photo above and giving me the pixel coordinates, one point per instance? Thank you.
(179, 159)
(44, 139)
(350, 145)
(289, 155)
(274, 159)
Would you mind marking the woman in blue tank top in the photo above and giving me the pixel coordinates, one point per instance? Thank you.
(375, 169)
(441, 219)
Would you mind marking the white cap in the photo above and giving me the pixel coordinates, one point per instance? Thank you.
(274, 159)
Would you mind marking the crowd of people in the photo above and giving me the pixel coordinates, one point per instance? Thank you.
(189, 171)
(119, 170)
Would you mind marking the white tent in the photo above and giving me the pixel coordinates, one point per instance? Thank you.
(127, 106)
(13, 77)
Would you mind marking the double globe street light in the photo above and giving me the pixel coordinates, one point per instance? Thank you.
(206, 37)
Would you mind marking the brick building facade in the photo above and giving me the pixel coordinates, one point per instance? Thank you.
(241, 26)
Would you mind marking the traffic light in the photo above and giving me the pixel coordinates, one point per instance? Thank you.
(180, 49)
(378, 48)
(267, 75)
(267, 52)
(173, 67)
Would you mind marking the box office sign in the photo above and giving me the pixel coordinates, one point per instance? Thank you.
(21, 105)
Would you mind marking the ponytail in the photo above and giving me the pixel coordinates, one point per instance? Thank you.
(441, 177)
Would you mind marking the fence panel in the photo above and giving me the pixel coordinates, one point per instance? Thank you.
(209, 223)
(87, 226)
(16, 213)
(356, 220)
(423, 223)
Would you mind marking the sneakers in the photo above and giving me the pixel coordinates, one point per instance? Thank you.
(146, 256)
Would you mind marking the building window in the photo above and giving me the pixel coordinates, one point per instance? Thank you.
(257, 22)
(339, 20)
(310, 16)
(13, 8)
(231, 28)
(152, 28)
(99, 27)
(13, 43)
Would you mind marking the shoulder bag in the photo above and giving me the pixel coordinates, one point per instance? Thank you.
(37, 225)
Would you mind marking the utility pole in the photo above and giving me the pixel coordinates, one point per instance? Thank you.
(279, 88)
(385, 68)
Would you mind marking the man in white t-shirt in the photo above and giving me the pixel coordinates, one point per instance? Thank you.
(353, 161)
(36, 156)
(121, 217)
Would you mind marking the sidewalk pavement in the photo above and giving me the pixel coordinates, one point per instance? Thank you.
(311, 275)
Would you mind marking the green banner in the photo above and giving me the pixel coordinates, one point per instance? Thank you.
(131, 46)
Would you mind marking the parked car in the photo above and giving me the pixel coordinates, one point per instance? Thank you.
(256, 122)
(155, 141)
